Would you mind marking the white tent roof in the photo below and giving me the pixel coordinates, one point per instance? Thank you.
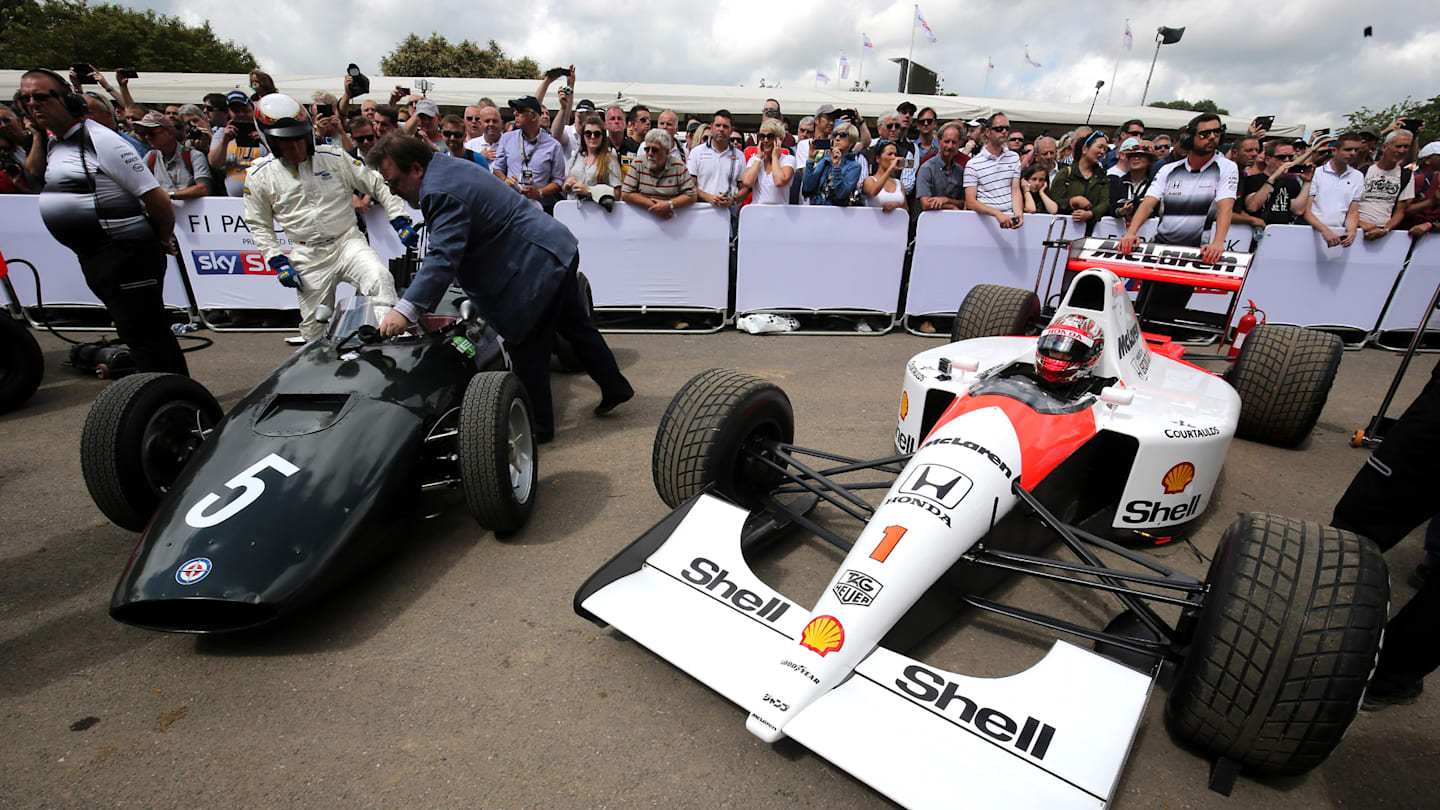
(693, 99)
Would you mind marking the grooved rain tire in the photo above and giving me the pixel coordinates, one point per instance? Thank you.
(21, 363)
(1284, 646)
(485, 448)
(120, 430)
(990, 310)
(708, 422)
(1283, 376)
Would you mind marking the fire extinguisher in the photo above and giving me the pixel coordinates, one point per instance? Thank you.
(1248, 321)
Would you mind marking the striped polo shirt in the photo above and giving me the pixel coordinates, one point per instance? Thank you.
(674, 181)
(1187, 197)
(990, 175)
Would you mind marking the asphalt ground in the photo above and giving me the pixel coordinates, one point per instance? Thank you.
(456, 674)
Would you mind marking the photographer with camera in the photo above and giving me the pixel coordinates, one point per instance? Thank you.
(97, 200)
(325, 112)
(238, 145)
(183, 173)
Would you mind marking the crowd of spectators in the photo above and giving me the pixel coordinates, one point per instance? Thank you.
(1361, 184)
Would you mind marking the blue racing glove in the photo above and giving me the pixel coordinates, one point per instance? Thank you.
(285, 272)
(403, 229)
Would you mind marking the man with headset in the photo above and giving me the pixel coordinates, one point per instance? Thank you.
(99, 200)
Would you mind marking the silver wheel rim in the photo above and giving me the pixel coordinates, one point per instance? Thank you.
(521, 451)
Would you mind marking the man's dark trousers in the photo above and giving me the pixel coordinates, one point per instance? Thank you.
(129, 278)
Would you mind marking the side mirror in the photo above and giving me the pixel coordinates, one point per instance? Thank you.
(469, 313)
(324, 313)
(1112, 395)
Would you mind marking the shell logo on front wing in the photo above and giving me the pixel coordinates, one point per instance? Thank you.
(904, 404)
(1178, 478)
(824, 634)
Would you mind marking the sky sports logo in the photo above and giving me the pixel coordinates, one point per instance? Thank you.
(231, 263)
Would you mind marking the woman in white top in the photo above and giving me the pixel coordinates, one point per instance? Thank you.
(769, 172)
(594, 163)
(882, 188)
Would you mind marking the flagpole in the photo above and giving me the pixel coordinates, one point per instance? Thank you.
(914, 21)
(986, 91)
(860, 76)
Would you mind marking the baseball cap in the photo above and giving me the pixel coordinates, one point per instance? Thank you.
(153, 120)
(1371, 131)
(237, 97)
(827, 110)
(1432, 148)
(585, 104)
(975, 122)
(525, 103)
(905, 107)
(427, 107)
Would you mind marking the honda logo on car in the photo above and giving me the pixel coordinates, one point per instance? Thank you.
(231, 262)
(943, 485)
(856, 588)
(709, 576)
(1033, 736)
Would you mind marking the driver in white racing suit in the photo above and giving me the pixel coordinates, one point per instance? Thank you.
(306, 190)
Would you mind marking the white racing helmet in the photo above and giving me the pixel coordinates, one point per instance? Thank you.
(1068, 349)
(280, 116)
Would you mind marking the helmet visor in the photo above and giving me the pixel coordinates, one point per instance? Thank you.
(1062, 347)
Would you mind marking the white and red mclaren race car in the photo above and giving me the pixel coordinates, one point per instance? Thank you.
(1266, 663)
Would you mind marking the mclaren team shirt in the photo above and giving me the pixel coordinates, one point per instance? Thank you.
(93, 183)
(1187, 197)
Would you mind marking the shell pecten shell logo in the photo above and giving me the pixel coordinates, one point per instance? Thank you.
(904, 404)
(1178, 478)
(824, 634)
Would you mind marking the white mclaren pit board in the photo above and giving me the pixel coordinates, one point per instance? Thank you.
(1178, 264)
(1053, 736)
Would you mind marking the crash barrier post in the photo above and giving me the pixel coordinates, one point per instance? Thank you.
(1412, 295)
(62, 284)
(1297, 280)
(819, 260)
(955, 250)
(638, 262)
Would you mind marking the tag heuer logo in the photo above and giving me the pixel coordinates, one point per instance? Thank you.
(856, 588)
(937, 483)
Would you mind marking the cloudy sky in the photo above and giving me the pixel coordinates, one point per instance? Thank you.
(1304, 62)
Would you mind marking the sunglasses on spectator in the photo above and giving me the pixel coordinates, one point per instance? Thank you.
(1135, 133)
(450, 133)
(593, 133)
(1005, 128)
(653, 150)
(26, 99)
(1017, 138)
(923, 121)
(1207, 133)
(737, 141)
(891, 125)
(769, 137)
(472, 118)
(362, 138)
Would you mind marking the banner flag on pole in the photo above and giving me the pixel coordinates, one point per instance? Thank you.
(1129, 39)
(844, 66)
(1028, 60)
(820, 76)
(865, 39)
(924, 26)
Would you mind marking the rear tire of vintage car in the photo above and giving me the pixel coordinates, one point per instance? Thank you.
(139, 434)
(1284, 645)
(990, 310)
(21, 363)
(1283, 375)
(705, 429)
(497, 447)
(564, 352)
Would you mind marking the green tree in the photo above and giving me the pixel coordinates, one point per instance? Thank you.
(1203, 105)
(465, 60)
(1428, 111)
(57, 33)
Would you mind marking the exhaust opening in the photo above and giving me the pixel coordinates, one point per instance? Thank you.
(194, 615)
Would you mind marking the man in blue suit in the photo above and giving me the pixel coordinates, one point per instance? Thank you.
(517, 263)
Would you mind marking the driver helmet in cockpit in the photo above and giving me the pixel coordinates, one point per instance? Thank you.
(1068, 349)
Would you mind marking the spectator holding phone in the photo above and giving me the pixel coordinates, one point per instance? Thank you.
(1336, 191)
(992, 177)
(238, 146)
(325, 112)
(1034, 183)
(883, 188)
(1082, 189)
(834, 179)
(769, 171)
(1389, 188)
(1130, 187)
(1280, 194)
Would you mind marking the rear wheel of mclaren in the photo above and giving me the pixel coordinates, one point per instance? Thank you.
(138, 436)
(990, 310)
(564, 352)
(1283, 376)
(710, 435)
(21, 363)
(1284, 645)
(497, 449)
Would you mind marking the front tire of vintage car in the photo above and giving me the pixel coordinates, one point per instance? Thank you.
(21, 363)
(137, 438)
(1283, 376)
(991, 310)
(564, 352)
(704, 435)
(1284, 645)
(498, 451)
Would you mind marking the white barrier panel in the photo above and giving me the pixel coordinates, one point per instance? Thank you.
(23, 236)
(1114, 227)
(819, 257)
(633, 258)
(955, 250)
(227, 269)
(1417, 285)
(1297, 280)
